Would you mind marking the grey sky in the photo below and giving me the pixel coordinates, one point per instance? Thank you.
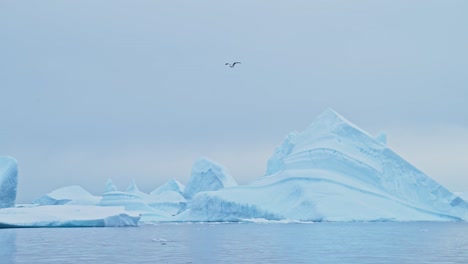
(92, 90)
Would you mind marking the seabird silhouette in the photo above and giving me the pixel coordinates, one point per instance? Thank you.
(233, 64)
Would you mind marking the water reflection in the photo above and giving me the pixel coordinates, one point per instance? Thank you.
(7, 246)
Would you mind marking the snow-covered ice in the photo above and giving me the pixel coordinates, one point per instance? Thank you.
(67, 216)
(135, 201)
(332, 171)
(207, 175)
(171, 185)
(171, 202)
(110, 187)
(8, 181)
(68, 195)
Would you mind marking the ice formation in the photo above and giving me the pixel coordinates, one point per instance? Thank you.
(67, 216)
(463, 195)
(382, 138)
(171, 185)
(110, 187)
(207, 176)
(130, 201)
(171, 202)
(133, 189)
(68, 195)
(332, 171)
(8, 181)
(135, 201)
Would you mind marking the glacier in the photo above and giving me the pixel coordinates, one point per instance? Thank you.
(8, 181)
(331, 171)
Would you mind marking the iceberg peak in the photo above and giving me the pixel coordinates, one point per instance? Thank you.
(330, 120)
(334, 150)
(207, 175)
(132, 188)
(170, 185)
(110, 187)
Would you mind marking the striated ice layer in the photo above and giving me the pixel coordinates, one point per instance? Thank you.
(8, 181)
(332, 171)
(135, 201)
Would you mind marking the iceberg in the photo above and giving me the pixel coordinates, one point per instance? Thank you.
(8, 181)
(157, 206)
(382, 138)
(68, 195)
(133, 189)
(207, 176)
(462, 195)
(171, 202)
(66, 216)
(110, 187)
(332, 171)
(171, 185)
(154, 207)
(133, 200)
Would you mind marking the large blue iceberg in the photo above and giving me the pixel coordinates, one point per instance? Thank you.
(331, 171)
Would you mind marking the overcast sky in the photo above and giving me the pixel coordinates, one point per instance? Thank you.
(91, 90)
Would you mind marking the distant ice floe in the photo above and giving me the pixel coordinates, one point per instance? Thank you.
(66, 216)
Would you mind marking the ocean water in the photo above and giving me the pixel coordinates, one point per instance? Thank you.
(414, 242)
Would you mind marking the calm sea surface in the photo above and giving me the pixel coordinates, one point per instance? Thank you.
(422, 242)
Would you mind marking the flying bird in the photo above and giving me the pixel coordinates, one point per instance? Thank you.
(233, 64)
